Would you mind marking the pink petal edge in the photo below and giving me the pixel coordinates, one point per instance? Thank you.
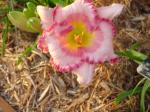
(60, 60)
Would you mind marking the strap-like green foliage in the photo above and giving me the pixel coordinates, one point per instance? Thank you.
(126, 94)
(138, 58)
(133, 55)
(144, 90)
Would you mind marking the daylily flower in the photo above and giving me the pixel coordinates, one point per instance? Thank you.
(78, 36)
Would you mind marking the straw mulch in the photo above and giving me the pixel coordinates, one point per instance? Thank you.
(34, 86)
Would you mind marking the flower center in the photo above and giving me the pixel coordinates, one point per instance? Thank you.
(80, 36)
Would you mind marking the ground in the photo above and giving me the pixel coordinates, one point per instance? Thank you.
(34, 86)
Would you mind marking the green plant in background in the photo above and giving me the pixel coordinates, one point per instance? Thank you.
(28, 20)
(50, 3)
(4, 37)
(143, 86)
(62, 2)
(25, 53)
(5, 22)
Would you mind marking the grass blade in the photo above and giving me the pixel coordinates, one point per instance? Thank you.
(138, 84)
(126, 94)
(4, 37)
(134, 91)
(144, 90)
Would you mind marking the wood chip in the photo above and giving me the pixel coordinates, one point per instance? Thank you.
(4, 106)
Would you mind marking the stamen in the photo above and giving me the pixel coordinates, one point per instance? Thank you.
(78, 39)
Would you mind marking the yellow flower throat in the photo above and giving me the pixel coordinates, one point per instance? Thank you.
(79, 36)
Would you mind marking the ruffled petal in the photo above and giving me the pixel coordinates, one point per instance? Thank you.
(79, 8)
(84, 73)
(42, 45)
(104, 51)
(49, 16)
(111, 11)
(45, 14)
(61, 60)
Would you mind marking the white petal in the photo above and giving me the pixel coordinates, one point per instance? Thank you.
(105, 51)
(110, 11)
(84, 73)
(45, 14)
(60, 57)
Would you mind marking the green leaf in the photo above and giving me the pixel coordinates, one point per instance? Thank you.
(134, 91)
(30, 10)
(50, 3)
(19, 20)
(31, 6)
(28, 13)
(60, 2)
(145, 88)
(135, 46)
(132, 54)
(34, 2)
(138, 84)
(34, 24)
(126, 94)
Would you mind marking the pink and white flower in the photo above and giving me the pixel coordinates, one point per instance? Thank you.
(78, 36)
